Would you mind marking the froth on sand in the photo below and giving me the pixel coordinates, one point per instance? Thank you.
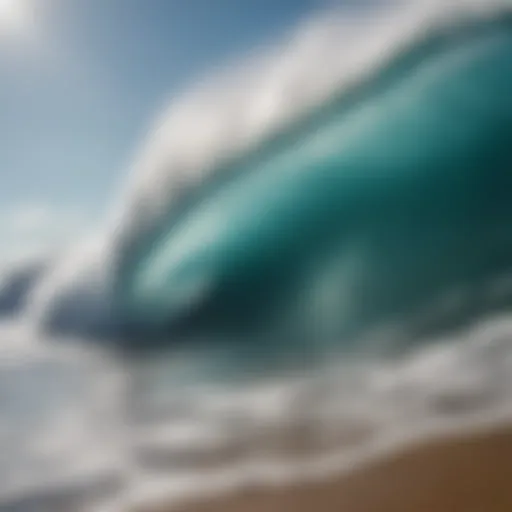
(465, 472)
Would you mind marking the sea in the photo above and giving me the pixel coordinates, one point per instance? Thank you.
(310, 266)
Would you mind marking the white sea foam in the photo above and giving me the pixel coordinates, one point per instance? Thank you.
(302, 429)
(66, 409)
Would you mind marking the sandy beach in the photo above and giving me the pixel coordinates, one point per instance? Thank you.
(466, 473)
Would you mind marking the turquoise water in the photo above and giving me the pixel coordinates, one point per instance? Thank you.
(381, 202)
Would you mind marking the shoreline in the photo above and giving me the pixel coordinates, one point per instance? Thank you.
(466, 471)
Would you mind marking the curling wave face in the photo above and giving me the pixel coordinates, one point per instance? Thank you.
(363, 213)
(314, 202)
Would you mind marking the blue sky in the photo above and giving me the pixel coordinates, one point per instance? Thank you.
(80, 84)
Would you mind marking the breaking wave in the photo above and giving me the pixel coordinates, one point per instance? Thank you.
(347, 192)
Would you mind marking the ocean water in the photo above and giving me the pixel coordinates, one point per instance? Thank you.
(311, 265)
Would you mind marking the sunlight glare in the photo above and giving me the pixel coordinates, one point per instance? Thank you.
(13, 16)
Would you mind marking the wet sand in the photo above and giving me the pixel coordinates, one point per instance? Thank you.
(464, 473)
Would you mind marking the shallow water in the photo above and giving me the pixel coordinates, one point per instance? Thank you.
(81, 429)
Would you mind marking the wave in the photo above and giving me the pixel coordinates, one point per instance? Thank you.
(349, 179)
(16, 282)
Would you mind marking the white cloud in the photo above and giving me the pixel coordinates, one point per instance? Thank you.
(34, 229)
